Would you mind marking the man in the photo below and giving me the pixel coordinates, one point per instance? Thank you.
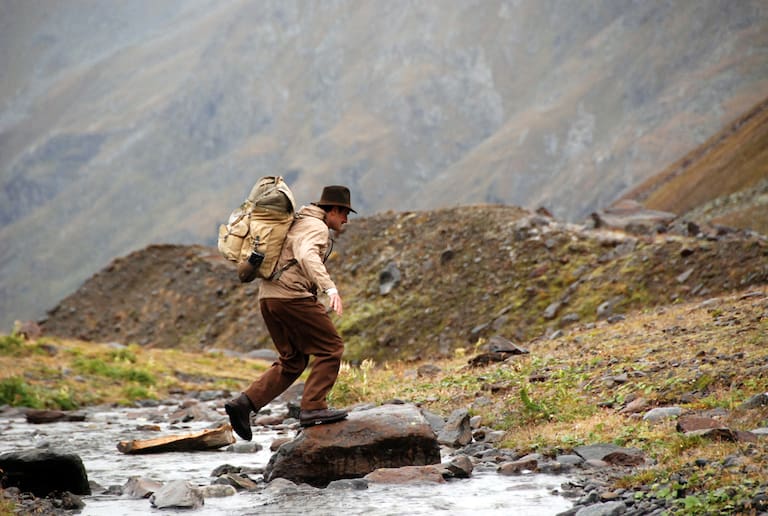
(298, 324)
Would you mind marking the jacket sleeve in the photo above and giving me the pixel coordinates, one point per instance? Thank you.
(309, 251)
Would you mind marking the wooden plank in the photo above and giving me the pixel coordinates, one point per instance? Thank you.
(197, 441)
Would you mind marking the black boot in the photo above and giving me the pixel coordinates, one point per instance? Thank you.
(239, 412)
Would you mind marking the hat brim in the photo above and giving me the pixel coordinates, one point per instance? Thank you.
(331, 204)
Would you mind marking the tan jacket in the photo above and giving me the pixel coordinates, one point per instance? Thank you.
(307, 242)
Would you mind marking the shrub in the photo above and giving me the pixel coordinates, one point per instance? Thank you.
(11, 345)
(16, 392)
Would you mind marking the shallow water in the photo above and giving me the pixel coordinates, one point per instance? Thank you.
(95, 441)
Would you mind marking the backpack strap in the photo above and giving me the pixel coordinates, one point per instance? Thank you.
(279, 272)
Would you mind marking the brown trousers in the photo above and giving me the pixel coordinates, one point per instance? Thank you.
(299, 328)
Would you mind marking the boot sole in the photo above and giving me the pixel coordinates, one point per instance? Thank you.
(323, 421)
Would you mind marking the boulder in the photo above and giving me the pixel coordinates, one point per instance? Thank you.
(389, 436)
(42, 472)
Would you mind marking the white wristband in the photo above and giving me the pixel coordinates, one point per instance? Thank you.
(331, 291)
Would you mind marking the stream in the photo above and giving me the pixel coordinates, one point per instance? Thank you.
(95, 442)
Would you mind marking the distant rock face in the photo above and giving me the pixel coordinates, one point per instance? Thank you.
(389, 436)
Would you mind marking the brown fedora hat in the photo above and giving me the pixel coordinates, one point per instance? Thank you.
(335, 196)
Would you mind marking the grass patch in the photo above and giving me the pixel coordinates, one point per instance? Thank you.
(16, 392)
(97, 367)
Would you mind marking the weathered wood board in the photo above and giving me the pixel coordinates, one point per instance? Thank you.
(197, 441)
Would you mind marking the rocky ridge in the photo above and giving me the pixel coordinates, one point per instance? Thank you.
(423, 284)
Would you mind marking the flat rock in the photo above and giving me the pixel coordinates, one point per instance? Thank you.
(610, 454)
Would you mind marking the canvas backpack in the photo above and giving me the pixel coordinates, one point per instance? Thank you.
(260, 224)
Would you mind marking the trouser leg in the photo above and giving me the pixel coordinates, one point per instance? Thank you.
(288, 367)
(299, 328)
(325, 345)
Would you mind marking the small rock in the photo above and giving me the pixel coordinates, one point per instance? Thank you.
(756, 401)
(603, 509)
(427, 370)
(239, 481)
(660, 413)
(682, 278)
(217, 491)
(457, 430)
(352, 484)
(460, 467)
(551, 311)
(518, 466)
(690, 423)
(635, 406)
(244, 447)
(139, 487)
(388, 279)
(177, 493)
(570, 460)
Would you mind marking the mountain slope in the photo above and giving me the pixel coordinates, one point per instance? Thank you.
(464, 274)
(122, 126)
(723, 181)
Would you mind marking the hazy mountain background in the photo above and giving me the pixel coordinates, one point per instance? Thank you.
(126, 123)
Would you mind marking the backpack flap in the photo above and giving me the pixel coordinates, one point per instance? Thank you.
(232, 235)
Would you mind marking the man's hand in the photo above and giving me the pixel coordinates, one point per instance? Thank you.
(335, 303)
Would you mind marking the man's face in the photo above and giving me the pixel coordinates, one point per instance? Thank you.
(336, 218)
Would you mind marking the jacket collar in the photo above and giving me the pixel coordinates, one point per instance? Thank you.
(312, 211)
